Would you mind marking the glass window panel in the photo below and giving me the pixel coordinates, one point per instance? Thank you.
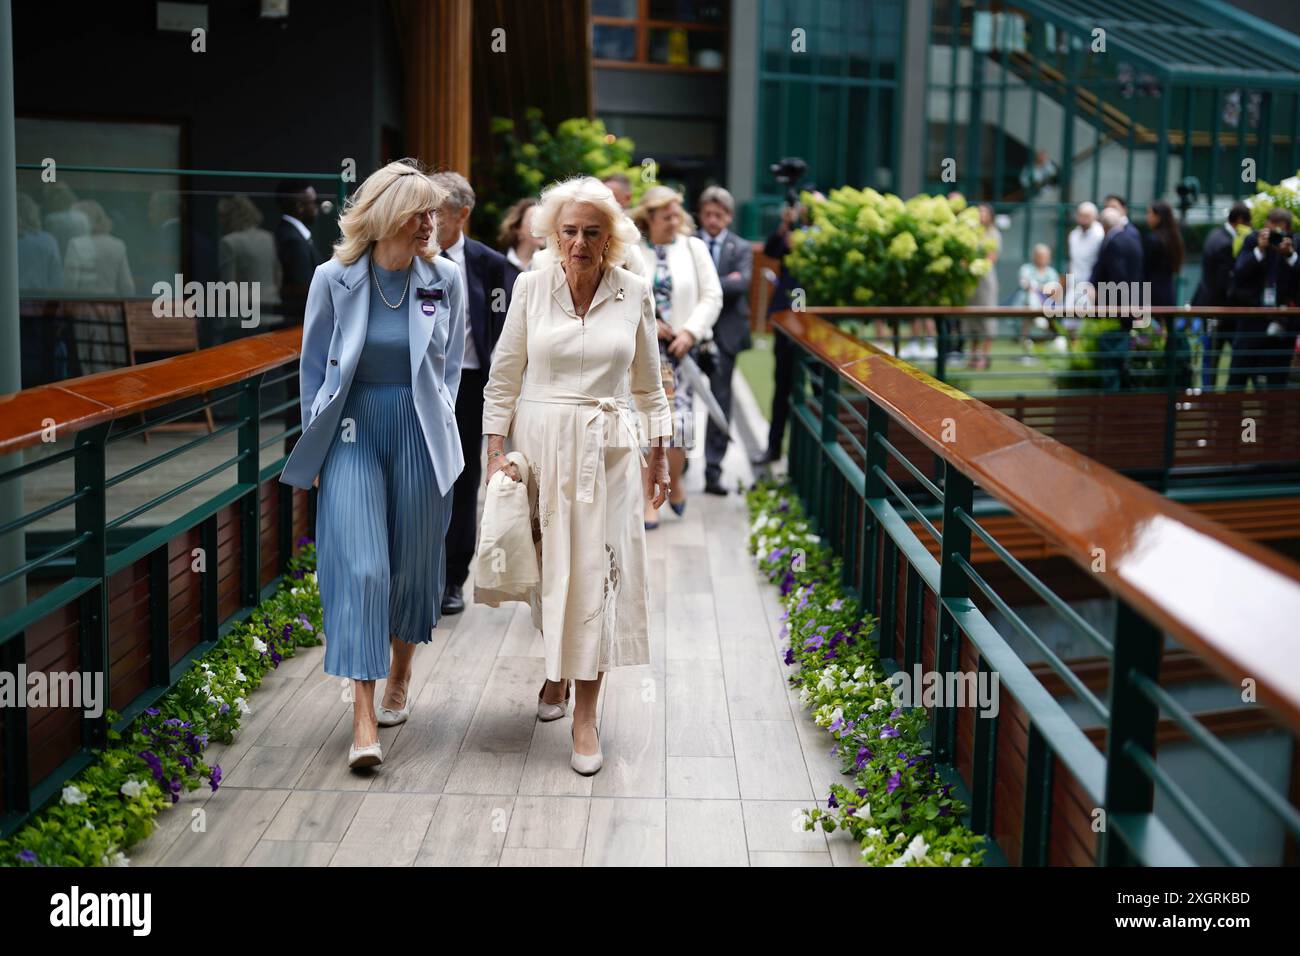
(613, 42)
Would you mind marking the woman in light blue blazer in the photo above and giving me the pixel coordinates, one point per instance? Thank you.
(382, 344)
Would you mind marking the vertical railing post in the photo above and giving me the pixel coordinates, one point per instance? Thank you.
(873, 489)
(984, 769)
(248, 475)
(17, 781)
(958, 492)
(1171, 404)
(798, 463)
(828, 510)
(160, 670)
(1036, 825)
(90, 561)
(1133, 719)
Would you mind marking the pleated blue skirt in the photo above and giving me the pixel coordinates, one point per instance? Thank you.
(380, 531)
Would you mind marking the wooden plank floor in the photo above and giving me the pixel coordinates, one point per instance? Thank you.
(708, 754)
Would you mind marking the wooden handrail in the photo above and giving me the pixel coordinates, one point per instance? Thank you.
(1232, 602)
(77, 403)
(1029, 312)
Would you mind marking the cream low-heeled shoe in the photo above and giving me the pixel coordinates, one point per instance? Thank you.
(370, 756)
(387, 717)
(547, 711)
(586, 764)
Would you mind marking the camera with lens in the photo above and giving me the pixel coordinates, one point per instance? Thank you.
(1276, 237)
(788, 172)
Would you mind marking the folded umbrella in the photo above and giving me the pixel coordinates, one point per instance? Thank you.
(700, 382)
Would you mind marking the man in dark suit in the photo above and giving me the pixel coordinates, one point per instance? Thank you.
(1266, 276)
(1119, 260)
(489, 279)
(298, 256)
(733, 257)
(1217, 259)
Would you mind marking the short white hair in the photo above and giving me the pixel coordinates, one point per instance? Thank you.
(1087, 207)
(720, 196)
(591, 191)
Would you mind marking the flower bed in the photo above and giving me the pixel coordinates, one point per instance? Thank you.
(110, 806)
(896, 806)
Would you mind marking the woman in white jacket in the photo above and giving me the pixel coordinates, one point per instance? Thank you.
(688, 299)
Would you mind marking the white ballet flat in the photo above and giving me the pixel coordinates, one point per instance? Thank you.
(387, 717)
(587, 764)
(370, 756)
(547, 711)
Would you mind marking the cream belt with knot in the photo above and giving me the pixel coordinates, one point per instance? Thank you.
(593, 428)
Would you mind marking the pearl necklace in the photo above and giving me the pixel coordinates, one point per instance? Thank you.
(406, 285)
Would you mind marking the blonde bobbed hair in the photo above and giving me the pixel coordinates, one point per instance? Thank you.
(584, 189)
(388, 197)
(654, 199)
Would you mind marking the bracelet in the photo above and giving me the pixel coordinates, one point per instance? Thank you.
(493, 454)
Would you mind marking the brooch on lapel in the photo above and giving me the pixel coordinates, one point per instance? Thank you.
(619, 297)
(428, 298)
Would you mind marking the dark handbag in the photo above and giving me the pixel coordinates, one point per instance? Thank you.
(706, 357)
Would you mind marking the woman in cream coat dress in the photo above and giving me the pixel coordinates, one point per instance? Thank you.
(578, 348)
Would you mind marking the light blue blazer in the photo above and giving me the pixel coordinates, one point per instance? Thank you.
(334, 332)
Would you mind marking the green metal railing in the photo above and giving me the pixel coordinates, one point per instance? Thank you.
(1163, 361)
(257, 378)
(849, 405)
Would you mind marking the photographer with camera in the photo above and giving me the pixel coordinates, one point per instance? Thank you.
(794, 215)
(1266, 276)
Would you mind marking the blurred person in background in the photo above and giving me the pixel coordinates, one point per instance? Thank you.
(1039, 282)
(980, 331)
(40, 267)
(1162, 252)
(621, 187)
(1218, 256)
(688, 300)
(516, 238)
(489, 280)
(1084, 242)
(97, 265)
(733, 257)
(1266, 276)
(246, 253)
(293, 243)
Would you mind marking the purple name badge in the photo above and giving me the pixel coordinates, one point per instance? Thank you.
(428, 307)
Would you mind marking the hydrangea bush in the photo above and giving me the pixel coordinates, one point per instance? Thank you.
(896, 806)
(865, 248)
(110, 806)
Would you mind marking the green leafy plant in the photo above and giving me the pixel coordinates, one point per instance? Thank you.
(110, 806)
(865, 248)
(896, 807)
(525, 161)
(1267, 196)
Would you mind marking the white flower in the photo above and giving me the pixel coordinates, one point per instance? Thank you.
(88, 825)
(873, 831)
(947, 856)
(117, 859)
(860, 672)
(965, 861)
(73, 796)
(259, 645)
(243, 706)
(239, 674)
(132, 788)
(864, 813)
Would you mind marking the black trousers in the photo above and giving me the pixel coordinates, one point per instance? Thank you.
(784, 382)
(462, 534)
(715, 440)
(1261, 359)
